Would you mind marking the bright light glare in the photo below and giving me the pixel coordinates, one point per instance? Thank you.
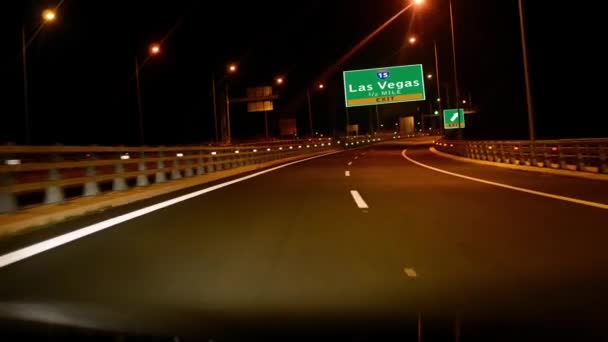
(125, 157)
(12, 162)
(179, 155)
(49, 15)
(213, 153)
(154, 49)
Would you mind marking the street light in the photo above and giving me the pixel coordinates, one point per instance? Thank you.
(154, 50)
(456, 88)
(321, 86)
(418, 2)
(231, 68)
(529, 103)
(412, 40)
(279, 80)
(429, 76)
(48, 16)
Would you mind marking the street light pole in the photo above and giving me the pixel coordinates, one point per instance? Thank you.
(438, 83)
(228, 133)
(530, 106)
(214, 106)
(457, 91)
(25, 90)
(139, 107)
(347, 122)
(377, 120)
(309, 112)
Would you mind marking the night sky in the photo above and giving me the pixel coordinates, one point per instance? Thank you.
(81, 67)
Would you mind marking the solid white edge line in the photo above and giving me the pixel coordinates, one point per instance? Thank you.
(358, 199)
(347, 173)
(511, 187)
(26, 252)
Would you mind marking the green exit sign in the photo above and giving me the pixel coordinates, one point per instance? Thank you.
(384, 85)
(453, 118)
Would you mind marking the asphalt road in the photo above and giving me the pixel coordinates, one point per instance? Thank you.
(291, 252)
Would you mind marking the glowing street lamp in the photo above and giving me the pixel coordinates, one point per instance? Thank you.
(48, 15)
(412, 40)
(154, 49)
(232, 68)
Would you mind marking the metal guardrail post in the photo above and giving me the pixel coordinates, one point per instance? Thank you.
(211, 166)
(580, 161)
(189, 172)
(142, 178)
(503, 159)
(91, 188)
(8, 200)
(532, 153)
(548, 154)
(160, 176)
(236, 159)
(175, 172)
(219, 163)
(603, 152)
(119, 183)
(561, 158)
(54, 193)
(232, 160)
(200, 168)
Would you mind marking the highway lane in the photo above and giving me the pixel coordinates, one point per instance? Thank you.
(291, 250)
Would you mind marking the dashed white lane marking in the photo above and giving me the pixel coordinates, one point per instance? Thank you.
(350, 163)
(356, 157)
(358, 199)
(410, 272)
(26, 252)
(506, 186)
(347, 173)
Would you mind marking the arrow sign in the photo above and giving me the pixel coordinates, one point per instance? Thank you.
(453, 118)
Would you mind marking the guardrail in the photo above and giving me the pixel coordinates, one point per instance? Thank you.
(31, 175)
(584, 155)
